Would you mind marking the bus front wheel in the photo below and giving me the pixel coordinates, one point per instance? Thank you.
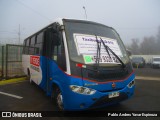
(58, 98)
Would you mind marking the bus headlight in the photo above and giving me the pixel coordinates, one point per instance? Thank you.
(131, 84)
(82, 90)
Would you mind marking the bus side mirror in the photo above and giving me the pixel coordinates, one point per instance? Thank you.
(129, 52)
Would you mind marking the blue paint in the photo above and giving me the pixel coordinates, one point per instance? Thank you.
(75, 101)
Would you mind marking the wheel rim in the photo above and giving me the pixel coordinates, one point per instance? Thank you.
(60, 101)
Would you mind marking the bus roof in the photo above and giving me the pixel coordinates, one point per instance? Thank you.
(60, 21)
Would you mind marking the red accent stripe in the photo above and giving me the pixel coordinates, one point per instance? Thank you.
(103, 82)
(99, 82)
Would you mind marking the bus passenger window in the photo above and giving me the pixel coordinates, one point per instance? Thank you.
(39, 44)
(55, 53)
(62, 58)
(58, 52)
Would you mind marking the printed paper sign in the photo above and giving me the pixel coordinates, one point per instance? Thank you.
(90, 59)
(87, 46)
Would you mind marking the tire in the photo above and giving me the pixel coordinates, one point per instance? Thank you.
(29, 76)
(57, 99)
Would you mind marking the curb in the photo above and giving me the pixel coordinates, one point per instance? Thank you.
(10, 81)
(147, 78)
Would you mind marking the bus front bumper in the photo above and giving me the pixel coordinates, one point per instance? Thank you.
(75, 101)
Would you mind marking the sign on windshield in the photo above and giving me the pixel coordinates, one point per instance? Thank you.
(87, 47)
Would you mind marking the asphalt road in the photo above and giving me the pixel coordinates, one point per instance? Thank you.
(30, 98)
(148, 72)
(146, 98)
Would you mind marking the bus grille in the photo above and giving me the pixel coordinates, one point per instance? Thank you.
(109, 75)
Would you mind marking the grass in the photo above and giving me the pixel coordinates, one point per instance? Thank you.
(11, 81)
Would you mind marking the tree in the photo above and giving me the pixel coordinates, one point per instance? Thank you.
(135, 47)
(158, 41)
(147, 47)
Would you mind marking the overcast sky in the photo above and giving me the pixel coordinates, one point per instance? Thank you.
(131, 18)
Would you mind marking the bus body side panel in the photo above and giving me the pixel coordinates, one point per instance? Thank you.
(32, 63)
(35, 69)
(25, 63)
(72, 100)
(43, 65)
(51, 73)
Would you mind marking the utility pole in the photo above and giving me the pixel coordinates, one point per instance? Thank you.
(85, 12)
(19, 34)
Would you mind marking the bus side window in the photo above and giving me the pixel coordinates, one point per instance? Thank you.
(31, 47)
(27, 46)
(62, 57)
(24, 47)
(39, 43)
(58, 51)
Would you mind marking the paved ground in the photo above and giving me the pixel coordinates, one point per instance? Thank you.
(148, 72)
(146, 98)
(30, 98)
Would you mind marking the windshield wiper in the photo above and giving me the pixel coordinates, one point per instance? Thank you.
(98, 52)
(108, 49)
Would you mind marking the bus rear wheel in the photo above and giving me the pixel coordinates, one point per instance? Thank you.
(29, 76)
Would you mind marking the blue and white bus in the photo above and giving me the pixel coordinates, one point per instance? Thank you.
(80, 64)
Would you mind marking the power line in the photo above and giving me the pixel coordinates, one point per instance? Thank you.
(33, 10)
(19, 34)
(136, 27)
(7, 32)
(8, 38)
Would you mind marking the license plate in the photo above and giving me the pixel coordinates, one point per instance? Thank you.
(113, 94)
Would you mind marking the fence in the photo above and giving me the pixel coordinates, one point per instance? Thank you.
(11, 61)
(1, 61)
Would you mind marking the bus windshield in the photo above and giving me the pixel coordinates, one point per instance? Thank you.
(85, 38)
